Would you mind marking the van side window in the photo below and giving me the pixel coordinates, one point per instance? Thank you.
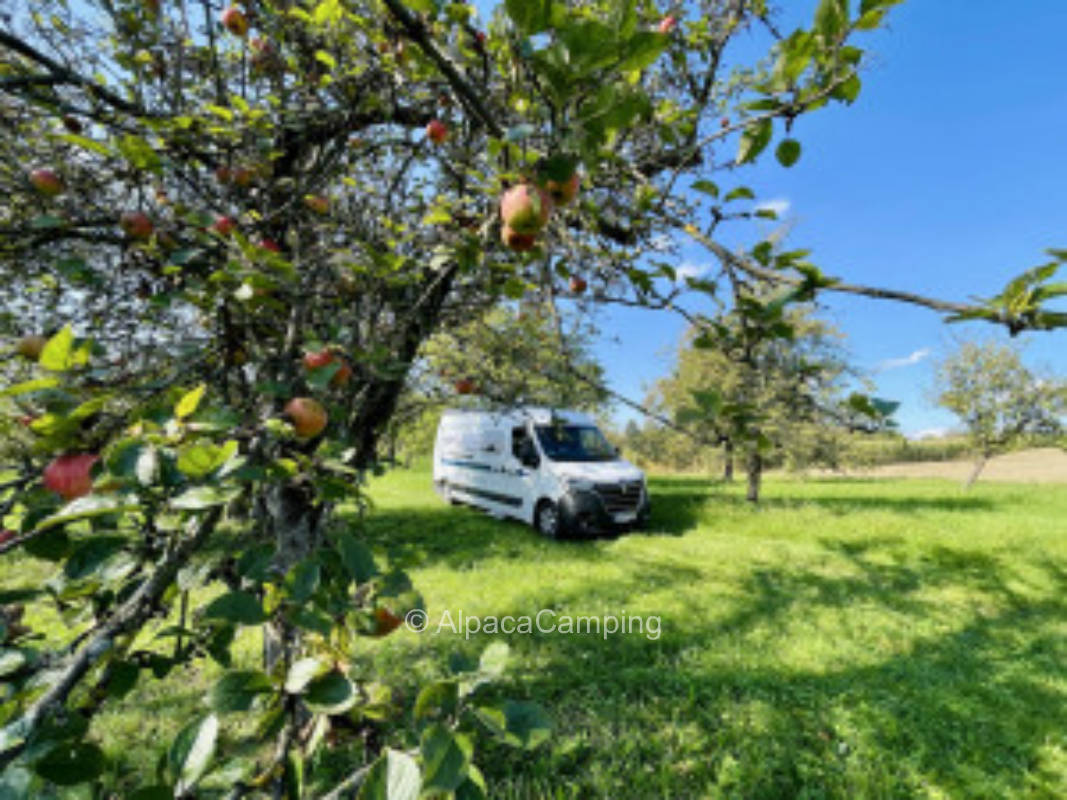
(519, 436)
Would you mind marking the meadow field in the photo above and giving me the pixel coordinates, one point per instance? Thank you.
(849, 638)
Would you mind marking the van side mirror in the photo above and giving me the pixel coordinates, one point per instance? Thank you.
(528, 456)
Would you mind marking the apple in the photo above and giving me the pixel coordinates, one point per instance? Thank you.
(233, 20)
(151, 6)
(437, 131)
(243, 176)
(479, 39)
(578, 284)
(30, 347)
(264, 57)
(269, 244)
(562, 192)
(519, 242)
(46, 182)
(68, 475)
(6, 536)
(307, 416)
(667, 24)
(317, 203)
(223, 175)
(525, 208)
(386, 620)
(324, 358)
(724, 122)
(465, 386)
(135, 225)
(224, 226)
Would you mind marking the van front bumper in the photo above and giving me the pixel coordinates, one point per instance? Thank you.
(583, 513)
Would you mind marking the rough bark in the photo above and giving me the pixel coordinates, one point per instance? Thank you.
(728, 462)
(754, 467)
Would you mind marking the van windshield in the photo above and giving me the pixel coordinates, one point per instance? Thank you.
(574, 443)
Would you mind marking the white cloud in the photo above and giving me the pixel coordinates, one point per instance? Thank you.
(929, 433)
(779, 205)
(690, 269)
(906, 361)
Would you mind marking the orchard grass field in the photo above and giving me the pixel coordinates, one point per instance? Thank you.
(850, 638)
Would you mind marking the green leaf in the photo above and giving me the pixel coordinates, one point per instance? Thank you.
(124, 675)
(57, 352)
(40, 384)
(157, 792)
(394, 776)
(641, 50)
(237, 689)
(239, 606)
(707, 187)
(357, 558)
(301, 674)
(11, 661)
(445, 758)
(201, 497)
(788, 152)
(192, 751)
(848, 91)
(494, 660)
(199, 459)
(331, 693)
(437, 700)
(302, 580)
(90, 555)
(754, 141)
(85, 143)
(189, 402)
(91, 505)
(519, 724)
(831, 18)
(71, 763)
(530, 16)
(474, 787)
(740, 193)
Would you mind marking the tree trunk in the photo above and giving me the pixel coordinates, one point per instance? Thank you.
(979, 465)
(728, 461)
(754, 466)
(296, 523)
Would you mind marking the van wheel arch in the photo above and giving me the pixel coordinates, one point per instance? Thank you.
(547, 519)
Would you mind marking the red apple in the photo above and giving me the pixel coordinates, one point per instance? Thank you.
(563, 192)
(264, 57)
(479, 39)
(724, 122)
(233, 20)
(223, 175)
(317, 203)
(519, 242)
(270, 244)
(324, 358)
(578, 284)
(667, 24)
(525, 208)
(437, 131)
(7, 535)
(135, 225)
(465, 386)
(224, 226)
(30, 347)
(386, 620)
(307, 416)
(46, 182)
(242, 176)
(68, 475)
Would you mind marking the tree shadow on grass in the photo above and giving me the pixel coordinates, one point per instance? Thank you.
(971, 712)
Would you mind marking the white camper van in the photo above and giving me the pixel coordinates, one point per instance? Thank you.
(552, 469)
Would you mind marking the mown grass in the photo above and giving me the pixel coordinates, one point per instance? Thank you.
(848, 639)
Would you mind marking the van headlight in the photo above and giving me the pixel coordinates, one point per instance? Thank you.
(578, 484)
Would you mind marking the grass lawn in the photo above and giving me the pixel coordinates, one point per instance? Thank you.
(848, 639)
(858, 638)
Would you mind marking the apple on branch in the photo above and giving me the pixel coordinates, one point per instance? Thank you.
(69, 475)
(31, 347)
(465, 386)
(323, 358)
(136, 224)
(46, 182)
(317, 203)
(578, 284)
(519, 242)
(437, 131)
(224, 225)
(307, 416)
(234, 20)
(525, 208)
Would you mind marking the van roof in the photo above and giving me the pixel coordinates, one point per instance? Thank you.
(540, 415)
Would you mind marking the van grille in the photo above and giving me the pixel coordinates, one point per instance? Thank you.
(620, 498)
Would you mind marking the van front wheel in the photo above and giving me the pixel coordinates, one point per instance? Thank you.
(547, 519)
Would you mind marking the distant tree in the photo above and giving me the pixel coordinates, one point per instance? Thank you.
(997, 397)
(770, 378)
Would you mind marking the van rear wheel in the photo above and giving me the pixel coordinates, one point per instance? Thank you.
(547, 520)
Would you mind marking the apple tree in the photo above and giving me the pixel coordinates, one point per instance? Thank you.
(227, 232)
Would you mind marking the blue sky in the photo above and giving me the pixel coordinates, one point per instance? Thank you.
(948, 176)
